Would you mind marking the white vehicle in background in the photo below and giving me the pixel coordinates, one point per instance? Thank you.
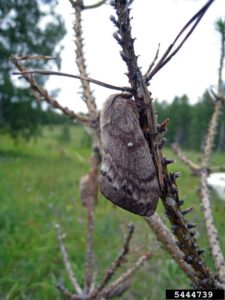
(217, 182)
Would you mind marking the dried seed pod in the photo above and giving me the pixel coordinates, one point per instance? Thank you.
(128, 177)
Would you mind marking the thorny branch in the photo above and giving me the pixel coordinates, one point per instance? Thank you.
(213, 239)
(80, 59)
(116, 288)
(168, 241)
(170, 198)
(204, 169)
(40, 92)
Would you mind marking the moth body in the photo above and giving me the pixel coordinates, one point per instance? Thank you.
(128, 176)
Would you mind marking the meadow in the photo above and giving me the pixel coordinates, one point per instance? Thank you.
(39, 186)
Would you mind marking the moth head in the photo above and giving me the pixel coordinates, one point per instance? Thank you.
(116, 104)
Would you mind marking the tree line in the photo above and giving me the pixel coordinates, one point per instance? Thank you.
(27, 28)
(189, 122)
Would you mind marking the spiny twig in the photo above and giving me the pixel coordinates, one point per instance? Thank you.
(88, 96)
(213, 239)
(168, 241)
(42, 93)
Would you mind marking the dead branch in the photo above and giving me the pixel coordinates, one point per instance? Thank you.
(166, 57)
(204, 170)
(153, 63)
(42, 93)
(98, 4)
(213, 238)
(211, 230)
(195, 169)
(75, 3)
(66, 260)
(67, 294)
(116, 264)
(45, 72)
(125, 276)
(170, 197)
(80, 59)
(33, 57)
(164, 235)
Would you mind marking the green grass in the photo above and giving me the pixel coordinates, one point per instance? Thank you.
(39, 186)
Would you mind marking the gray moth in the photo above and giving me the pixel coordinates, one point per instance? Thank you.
(128, 177)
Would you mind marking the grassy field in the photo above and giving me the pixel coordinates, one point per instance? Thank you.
(39, 186)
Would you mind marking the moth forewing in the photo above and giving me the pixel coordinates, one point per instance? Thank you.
(128, 176)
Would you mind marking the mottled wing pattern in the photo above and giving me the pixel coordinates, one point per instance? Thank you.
(128, 176)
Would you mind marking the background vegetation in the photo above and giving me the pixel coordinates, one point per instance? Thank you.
(39, 186)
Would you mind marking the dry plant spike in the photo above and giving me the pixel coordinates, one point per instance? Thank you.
(128, 177)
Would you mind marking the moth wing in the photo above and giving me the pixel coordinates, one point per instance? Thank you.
(128, 177)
